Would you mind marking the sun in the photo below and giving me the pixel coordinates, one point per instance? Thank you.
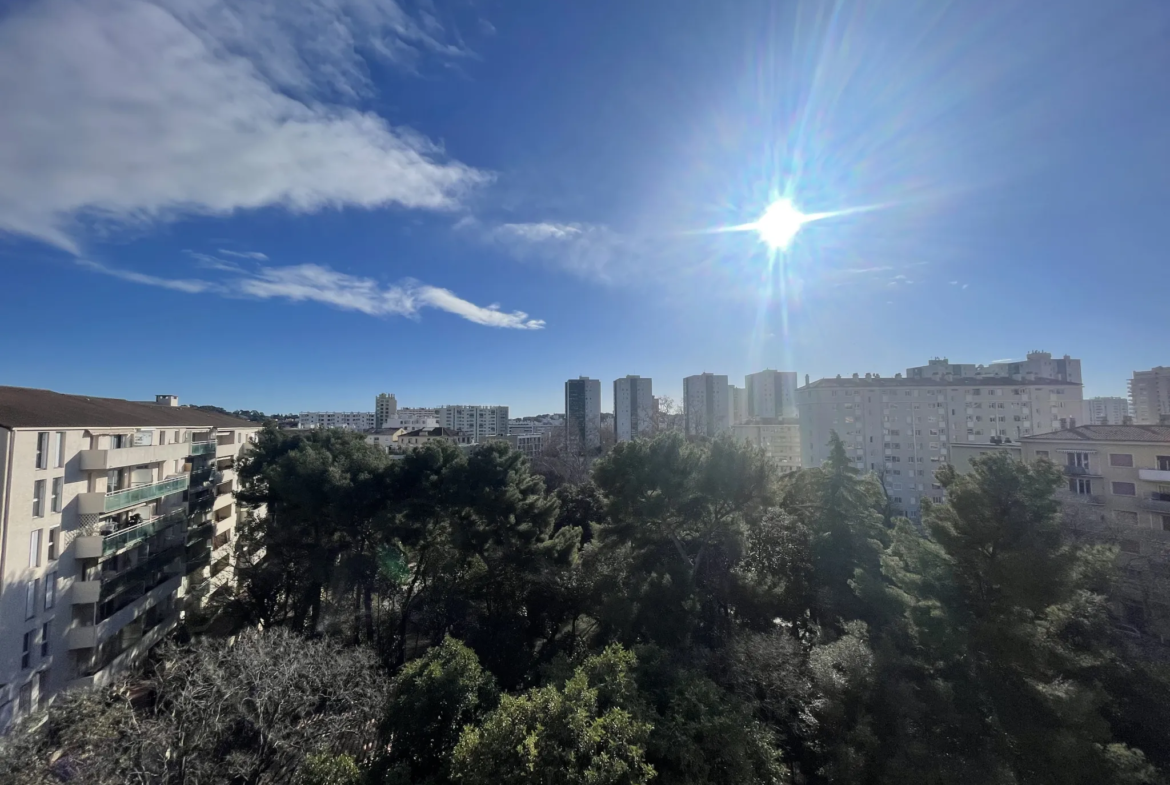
(780, 223)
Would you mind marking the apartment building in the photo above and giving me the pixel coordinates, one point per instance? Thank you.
(583, 415)
(705, 409)
(1106, 411)
(1118, 492)
(633, 408)
(385, 407)
(1038, 365)
(477, 422)
(1149, 395)
(780, 440)
(410, 440)
(771, 394)
(352, 421)
(412, 419)
(903, 428)
(116, 518)
(737, 404)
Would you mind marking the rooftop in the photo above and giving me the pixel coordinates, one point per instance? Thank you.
(901, 381)
(434, 432)
(26, 407)
(1106, 433)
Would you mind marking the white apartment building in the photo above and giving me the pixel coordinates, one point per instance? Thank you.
(412, 419)
(478, 422)
(705, 409)
(116, 517)
(1106, 411)
(385, 407)
(633, 408)
(1149, 395)
(903, 428)
(737, 404)
(780, 440)
(352, 421)
(771, 394)
(583, 414)
(1038, 365)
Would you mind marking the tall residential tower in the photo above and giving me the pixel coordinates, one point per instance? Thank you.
(583, 415)
(633, 408)
(705, 409)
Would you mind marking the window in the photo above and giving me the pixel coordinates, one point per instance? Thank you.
(1164, 463)
(1042, 453)
(1125, 517)
(42, 687)
(39, 499)
(50, 590)
(1131, 546)
(1166, 523)
(55, 498)
(1079, 460)
(34, 549)
(26, 651)
(45, 639)
(1124, 489)
(1120, 459)
(43, 450)
(59, 450)
(54, 536)
(1080, 486)
(30, 598)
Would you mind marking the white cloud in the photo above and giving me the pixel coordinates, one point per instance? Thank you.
(320, 284)
(137, 110)
(591, 251)
(255, 255)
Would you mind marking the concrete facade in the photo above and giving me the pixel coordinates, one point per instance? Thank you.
(1149, 395)
(780, 440)
(633, 408)
(1038, 365)
(385, 407)
(583, 414)
(737, 402)
(1106, 411)
(705, 406)
(771, 394)
(351, 421)
(477, 422)
(109, 533)
(904, 428)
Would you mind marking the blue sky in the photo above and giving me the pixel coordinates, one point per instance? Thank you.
(292, 206)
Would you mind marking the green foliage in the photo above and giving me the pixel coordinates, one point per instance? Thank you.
(325, 769)
(559, 734)
(432, 700)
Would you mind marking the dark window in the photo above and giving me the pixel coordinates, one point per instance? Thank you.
(1120, 459)
(1124, 489)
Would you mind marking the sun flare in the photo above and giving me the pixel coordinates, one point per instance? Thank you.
(779, 224)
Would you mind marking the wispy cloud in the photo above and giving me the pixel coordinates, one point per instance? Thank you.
(320, 284)
(591, 251)
(127, 111)
(254, 255)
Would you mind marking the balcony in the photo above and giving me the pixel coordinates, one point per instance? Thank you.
(91, 635)
(119, 458)
(86, 592)
(99, 503)
(1154, 475)
(1079, 471)
(203, 448)
(1157, 502)
(1064, 495)
(96, 546)
(226, 449)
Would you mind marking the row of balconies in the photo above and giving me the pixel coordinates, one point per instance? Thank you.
(91, 635)
(96, 546)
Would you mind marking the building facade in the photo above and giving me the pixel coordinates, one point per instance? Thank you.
(350, 421)
(583, 415)
(1038, 365)
(771, 394)
(779, 440)
(116, 519)
(903, 428)
(1149, 395)
(1106, 411)
(411, 440)
(633, 408)
(477, 422)
(705, 406)
(737, 404)
(1118, 492)
(385, 407)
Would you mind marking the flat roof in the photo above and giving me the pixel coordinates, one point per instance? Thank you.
(1157, 434)
(27, 407)
(890, 381)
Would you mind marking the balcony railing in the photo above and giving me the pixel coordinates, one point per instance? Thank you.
(1157, 502)
(1154, 475)
(1079, 471)
(1066, 495)
(99, 545)
(203, 448)
(117, 500)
